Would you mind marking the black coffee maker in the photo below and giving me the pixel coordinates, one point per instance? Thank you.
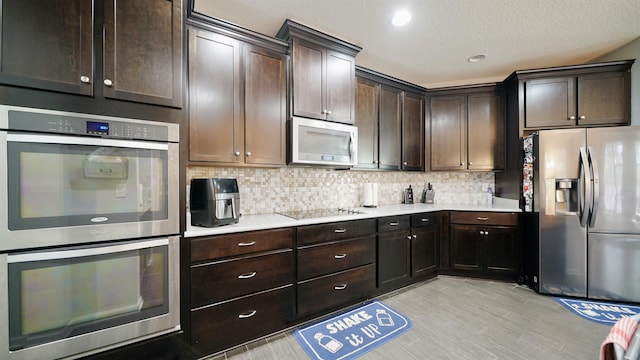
(214, 202)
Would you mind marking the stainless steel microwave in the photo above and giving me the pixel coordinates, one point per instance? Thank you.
(317, 142)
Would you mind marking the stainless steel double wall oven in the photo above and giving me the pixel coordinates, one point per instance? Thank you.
(89, 224)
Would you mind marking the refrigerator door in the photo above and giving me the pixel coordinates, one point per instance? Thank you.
(615, 153)
(614, 267)
(562, 241)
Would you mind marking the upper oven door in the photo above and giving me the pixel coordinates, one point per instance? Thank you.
(69, 189)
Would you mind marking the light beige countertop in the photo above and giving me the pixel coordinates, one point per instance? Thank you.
(272, 221)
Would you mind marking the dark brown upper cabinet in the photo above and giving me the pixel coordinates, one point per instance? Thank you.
(322, 74)
(575, 96)
(129, 50)
(390, 121)
(237, 92)
(467, 128)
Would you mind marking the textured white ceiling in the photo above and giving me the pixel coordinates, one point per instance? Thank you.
(432, 50)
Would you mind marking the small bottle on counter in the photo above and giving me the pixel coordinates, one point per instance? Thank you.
(489, 196)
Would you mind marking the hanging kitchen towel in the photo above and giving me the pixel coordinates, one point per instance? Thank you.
(351, 334)
(617, 342)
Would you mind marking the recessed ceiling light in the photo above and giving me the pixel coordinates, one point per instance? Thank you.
(401, 18)
(477, 58)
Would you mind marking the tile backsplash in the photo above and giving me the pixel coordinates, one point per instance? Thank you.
(264, 191)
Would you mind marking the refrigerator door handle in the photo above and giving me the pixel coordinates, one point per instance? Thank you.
(586, 187)
(596, 187)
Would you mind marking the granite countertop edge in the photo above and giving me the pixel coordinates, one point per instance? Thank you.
(274, 221)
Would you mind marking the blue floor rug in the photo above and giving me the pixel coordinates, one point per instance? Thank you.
(600, 312)
(353, 333)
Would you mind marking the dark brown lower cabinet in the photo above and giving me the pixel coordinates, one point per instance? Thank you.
(220, 326)
(425, 242)
(394, 252)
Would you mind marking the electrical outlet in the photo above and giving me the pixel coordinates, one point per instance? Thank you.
(121, 190)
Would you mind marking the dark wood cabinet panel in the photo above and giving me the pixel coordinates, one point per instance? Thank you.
(390, 125)
(143, 51)
(424, 250)
(140, 44)
(486, 131)
(308, 80)
(394, 223)
(484, 218)
(313, 234)
(339, 288)
(215, 118)
(467, 129)
(448, 132)
(48, 45)
(224, 246)
(502, 250)
(224, 325)
(394, 250)
(265, 109)
(550, 102)
(603, 99)
(367, 103)
(318, 260)
(227, 279)
(412, 132)
(467, 248)
(341, 83)
(238, 102)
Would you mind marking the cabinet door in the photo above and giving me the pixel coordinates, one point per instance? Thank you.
(502, 250)
(486, 136)
(603, 99)
(393, 258)
(308, 80)
(215, 126)
(143, 51)
(341, 85)
(466, 247)
(389, 128)
(48, 45)
(424, 250)
(265, 107)
(448, 132)
(367, 123)
(550, 103)
(412, 132)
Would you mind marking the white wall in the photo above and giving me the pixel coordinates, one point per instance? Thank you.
(629, 51)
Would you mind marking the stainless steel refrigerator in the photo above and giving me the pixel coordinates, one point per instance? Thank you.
(582, 212)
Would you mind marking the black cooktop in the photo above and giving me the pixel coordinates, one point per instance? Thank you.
(319, 213)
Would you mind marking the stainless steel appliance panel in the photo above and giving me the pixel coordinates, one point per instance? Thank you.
(317, 142)
(615, 154)
(562, 241)
(614, 267)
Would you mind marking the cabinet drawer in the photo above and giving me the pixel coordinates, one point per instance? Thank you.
(393, 223)
(327, 258)
(484, 218)
(221, 326)
(313, 234)
(215, 282)
(424, 219)
(216, 247)
(332, 290)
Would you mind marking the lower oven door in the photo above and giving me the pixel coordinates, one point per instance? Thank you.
(79, 300)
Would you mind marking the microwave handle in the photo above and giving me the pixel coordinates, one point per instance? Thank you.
(351, 149)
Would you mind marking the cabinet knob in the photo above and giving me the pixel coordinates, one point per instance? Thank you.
(325, 111)
(571, 118)
(481, 232)
(486, 233)
(415, 236)
(582, 117)
(237, 153)
(108, 82)
(461, 164)
(328, 112)
(470, 163)
(85, 79)
(248, 153)
(404, 163)
(409, 237)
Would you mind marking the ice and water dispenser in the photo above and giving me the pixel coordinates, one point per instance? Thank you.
(562, 197)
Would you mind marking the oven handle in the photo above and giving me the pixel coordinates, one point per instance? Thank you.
(88, 251)
(74, 140)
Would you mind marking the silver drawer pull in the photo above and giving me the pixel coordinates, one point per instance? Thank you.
(247, 275)
(340, 231)
(482, 218)
(341, 256)
(395, 223)
(247, 315)
(424, 220)
(340, 287)
(250, 243)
